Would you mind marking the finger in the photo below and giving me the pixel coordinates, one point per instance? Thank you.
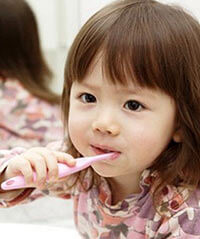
(38, 163)
(61, 157)
(21, 166)
(65, 158)
(51, 164)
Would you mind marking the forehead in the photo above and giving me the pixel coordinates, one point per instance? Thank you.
(98, 74)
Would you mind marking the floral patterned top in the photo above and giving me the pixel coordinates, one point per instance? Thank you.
(133, 218)
(25, 120)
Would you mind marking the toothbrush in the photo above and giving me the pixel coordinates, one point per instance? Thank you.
(63, 170)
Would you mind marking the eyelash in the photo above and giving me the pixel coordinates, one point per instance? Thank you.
(86, 94)
(94, 98)
(135, 102)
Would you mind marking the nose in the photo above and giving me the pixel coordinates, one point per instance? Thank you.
(106, 125)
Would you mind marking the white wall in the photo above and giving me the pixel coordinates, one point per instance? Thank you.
(193, 6)
(45, 13)
(60, 20)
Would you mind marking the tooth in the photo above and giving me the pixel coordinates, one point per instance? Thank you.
(107, 151)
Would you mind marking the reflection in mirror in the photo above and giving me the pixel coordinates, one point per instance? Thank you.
(30, 86)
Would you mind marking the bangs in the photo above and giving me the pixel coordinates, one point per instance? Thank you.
(137, 44)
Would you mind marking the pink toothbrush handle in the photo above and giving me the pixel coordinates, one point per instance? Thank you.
(19, 182)
(63, 170)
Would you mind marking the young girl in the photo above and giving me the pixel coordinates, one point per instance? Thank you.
(29, 111)
(132, 87)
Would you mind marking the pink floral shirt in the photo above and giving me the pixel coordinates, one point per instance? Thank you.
(25, 120)
(133, 218)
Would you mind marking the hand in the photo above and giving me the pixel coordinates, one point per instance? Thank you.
(42, 161)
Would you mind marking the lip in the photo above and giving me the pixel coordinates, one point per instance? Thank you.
(104, 147)
(100, 149)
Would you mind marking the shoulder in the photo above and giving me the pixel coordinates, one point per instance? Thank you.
(171, 199)
(24, 100)
(178, 213)
(183, 218)
(175, 200)
(177, 210)
(12, 88)
(26, 109)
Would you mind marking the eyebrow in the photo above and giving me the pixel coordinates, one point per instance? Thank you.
(135, 91)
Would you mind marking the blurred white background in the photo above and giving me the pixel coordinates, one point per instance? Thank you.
(59, 21)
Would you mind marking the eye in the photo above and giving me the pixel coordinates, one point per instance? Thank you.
(87, 98)
(133, 105)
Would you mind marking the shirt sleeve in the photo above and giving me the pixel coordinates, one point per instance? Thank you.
(25, 120)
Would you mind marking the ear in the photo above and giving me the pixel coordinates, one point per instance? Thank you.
(177, 137)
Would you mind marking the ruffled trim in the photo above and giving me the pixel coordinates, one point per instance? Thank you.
(129, 205)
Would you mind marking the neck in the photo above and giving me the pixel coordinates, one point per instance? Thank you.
(123, 186)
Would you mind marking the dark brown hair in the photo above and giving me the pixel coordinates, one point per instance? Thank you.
(21, 55)
(157, 46)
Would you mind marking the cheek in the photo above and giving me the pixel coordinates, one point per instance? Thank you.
(77, 128)
(156, 143)
(144, 140)
(148, 141)
(74, 128)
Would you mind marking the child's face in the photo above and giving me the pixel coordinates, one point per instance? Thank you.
(138, 123)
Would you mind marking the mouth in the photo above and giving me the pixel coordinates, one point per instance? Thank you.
(99, 149)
